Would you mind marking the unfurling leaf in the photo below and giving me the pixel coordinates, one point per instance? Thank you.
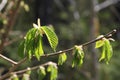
(52, 68)
(78, 56)
(106, 51)
(103, 53)
(106, 48)
(51, 36)
(21, 49)
(35, 25)
(26, 77)
(99, 43)
(14, 77)
(32, 44)
(62, 58)
(41, 73)
(38, 48)
(28, 71)
(29, 42)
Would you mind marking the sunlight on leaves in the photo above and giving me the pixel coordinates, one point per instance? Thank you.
(99, 43)
(62, 58)
(26, 77)
(41, 73)
(51, 36)
(107, 51)
(32, 44)
(78, 56)
(14, 77)
(52, 68)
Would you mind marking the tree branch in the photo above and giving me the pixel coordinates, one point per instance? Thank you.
(2, 4)
(12, 69)
(8, 59)
(108, 35)
(10, 24)
(105, 4)
(34, 68)
(13, 40)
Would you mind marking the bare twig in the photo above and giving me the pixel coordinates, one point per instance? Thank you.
(12, 41)
(105, 4)
(2, 4)
(12, 69)
(8, 59)
(9, 25)
(33, 68)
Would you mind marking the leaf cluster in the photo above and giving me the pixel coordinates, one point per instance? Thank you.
(32, 44)
(107, 50)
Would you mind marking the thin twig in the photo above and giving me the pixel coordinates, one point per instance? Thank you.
(2, 4)
(8, 59)
(12, 69)
(8, 27)
(105, 4)
(33, 68)
(12, 41)
(83, 45)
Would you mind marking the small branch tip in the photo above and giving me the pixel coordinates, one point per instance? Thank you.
(114, 30)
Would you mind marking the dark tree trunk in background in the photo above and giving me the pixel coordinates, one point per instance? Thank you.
(43, 10)
(94, 33)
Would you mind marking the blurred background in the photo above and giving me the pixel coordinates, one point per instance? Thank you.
(75, 22)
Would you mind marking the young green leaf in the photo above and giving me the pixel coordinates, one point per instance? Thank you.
(35, 25)
(21, 49)
(53, 71)
(14, 77)
(28, 71)
(38, 48)
(51, 36)
(41, 73)
(29, 42)
(99, 44)
(107, 51)
(103, 53)
(78, 56)
(26, 77)
(62, 58)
